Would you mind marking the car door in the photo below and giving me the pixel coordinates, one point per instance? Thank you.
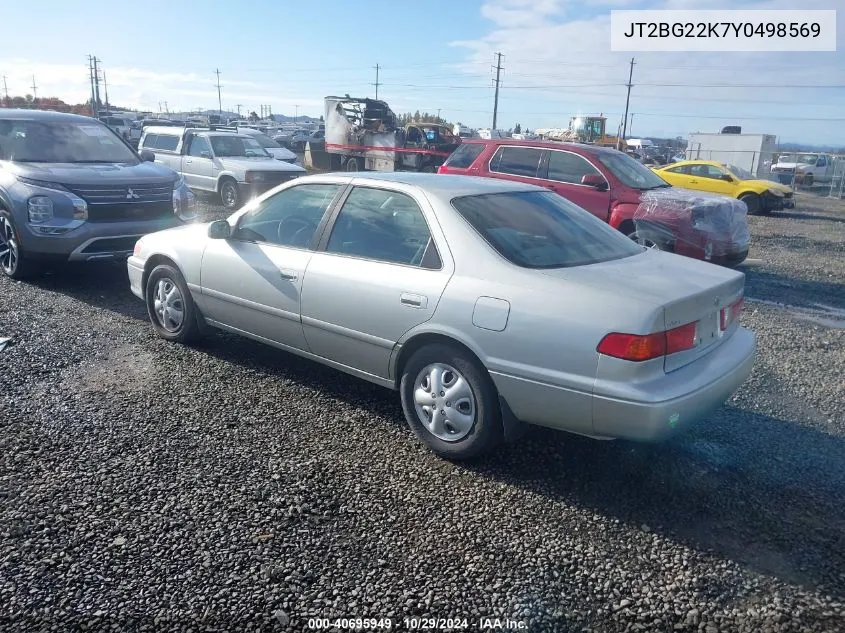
(199, 168)
(709, 178)
(251, 282)
(564, 172)
(378, 273)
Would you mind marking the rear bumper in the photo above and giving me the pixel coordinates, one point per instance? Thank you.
(679, 399)
(92, 240)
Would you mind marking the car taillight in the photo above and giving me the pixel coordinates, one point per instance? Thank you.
(641, 347)
(728, 315)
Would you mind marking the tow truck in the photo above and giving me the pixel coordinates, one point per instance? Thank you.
(364, 134)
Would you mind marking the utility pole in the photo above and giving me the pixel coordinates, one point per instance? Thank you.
(377, 84)
(296, 113)
(97, 84)
(239, 106)
(631, 125)
(34, 92)
(6, 90)
(94, 111)
(106, 86)
(219, 100)
(627, 102)
(438, 115)
(497, 80)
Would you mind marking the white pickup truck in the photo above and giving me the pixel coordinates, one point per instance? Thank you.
(233, 165)
(806, 168)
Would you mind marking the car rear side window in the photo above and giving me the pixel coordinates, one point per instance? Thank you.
(150, 141)
(536, 229)
(517, 161)
(569, 167)
(465, 155)
(385, 226)
(167, 143)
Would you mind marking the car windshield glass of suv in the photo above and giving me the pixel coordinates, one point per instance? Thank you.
(739, 172)
(536, 229)
(237, 146)
(631, 172)
(807, 159)
(264, 140)
(61, 142)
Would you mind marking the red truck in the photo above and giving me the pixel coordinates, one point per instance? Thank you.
(617, 189)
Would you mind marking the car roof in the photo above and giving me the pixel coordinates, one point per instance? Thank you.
(714, 163)
(575, 147)
(445, 186)
(43, 115)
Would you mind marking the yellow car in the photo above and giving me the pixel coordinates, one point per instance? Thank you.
(760, 196)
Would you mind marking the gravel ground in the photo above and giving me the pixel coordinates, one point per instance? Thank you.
(231, 487)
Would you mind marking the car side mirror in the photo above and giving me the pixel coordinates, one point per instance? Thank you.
(147, 156)
(594, 180)
(219, 230)
(205, 154)
(727, 178)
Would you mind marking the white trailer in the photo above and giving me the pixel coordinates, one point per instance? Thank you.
(752, 152)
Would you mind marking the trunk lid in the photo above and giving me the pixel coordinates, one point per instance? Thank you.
(687, 290)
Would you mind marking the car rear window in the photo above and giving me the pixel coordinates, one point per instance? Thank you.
(538, 229)
(464, 155)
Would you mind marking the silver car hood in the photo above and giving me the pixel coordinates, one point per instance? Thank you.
(260, 164)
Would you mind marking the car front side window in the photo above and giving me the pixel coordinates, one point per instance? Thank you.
(383, 225)
(289, 218)
(199, 145)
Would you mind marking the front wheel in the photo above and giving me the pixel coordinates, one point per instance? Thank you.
(230, 195)
(450, 402)
(12, 261)
(169, 304)
(753, 202)
(807, 180)
(353, 164)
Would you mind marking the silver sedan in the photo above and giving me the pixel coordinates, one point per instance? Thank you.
(487, 304)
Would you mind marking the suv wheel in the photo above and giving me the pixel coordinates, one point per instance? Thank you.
(11, 259)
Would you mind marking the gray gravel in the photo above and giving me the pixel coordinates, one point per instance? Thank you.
(230, 487)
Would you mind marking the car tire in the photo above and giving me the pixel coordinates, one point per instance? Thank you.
(13, 263)
(807, 180)
(162, 306)
(353, 164)
(230, 195)
(753, 202)
(467, 426)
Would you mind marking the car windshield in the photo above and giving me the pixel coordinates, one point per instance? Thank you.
(538, 229)
(264, 140)
(809, 159)
(88, 141)
(237, 146)
(739, 172)
(631, 172)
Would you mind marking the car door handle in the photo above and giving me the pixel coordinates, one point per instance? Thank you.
(189, 161)
(414, 301)
(288, 275)
(693, 182)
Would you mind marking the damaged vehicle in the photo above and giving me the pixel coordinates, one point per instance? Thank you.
(611, 185)
(71, 189)
(486, 304)
(364, 134)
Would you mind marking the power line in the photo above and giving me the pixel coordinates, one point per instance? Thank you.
(496, 96)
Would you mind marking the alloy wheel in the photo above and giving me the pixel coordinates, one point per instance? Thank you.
(168, 305)
(444, 402)
(9, 251)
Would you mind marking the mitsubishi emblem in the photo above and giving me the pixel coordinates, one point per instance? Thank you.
(131, 195)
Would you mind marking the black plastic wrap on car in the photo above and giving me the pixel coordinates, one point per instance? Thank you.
(722, 218)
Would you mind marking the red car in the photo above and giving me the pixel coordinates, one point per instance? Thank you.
(616, 188)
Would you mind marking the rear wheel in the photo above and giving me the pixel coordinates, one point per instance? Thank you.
(169, 304)
(353, 164)
(230, 195)
(12, 260)
(753, 202)
(450, 402)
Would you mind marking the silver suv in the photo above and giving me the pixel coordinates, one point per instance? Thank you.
(72, 189)
(235, 166)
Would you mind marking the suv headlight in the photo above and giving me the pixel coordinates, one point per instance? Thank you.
(184, 201)
(40, 209)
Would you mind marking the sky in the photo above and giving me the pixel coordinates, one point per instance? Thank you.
(433, 55)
